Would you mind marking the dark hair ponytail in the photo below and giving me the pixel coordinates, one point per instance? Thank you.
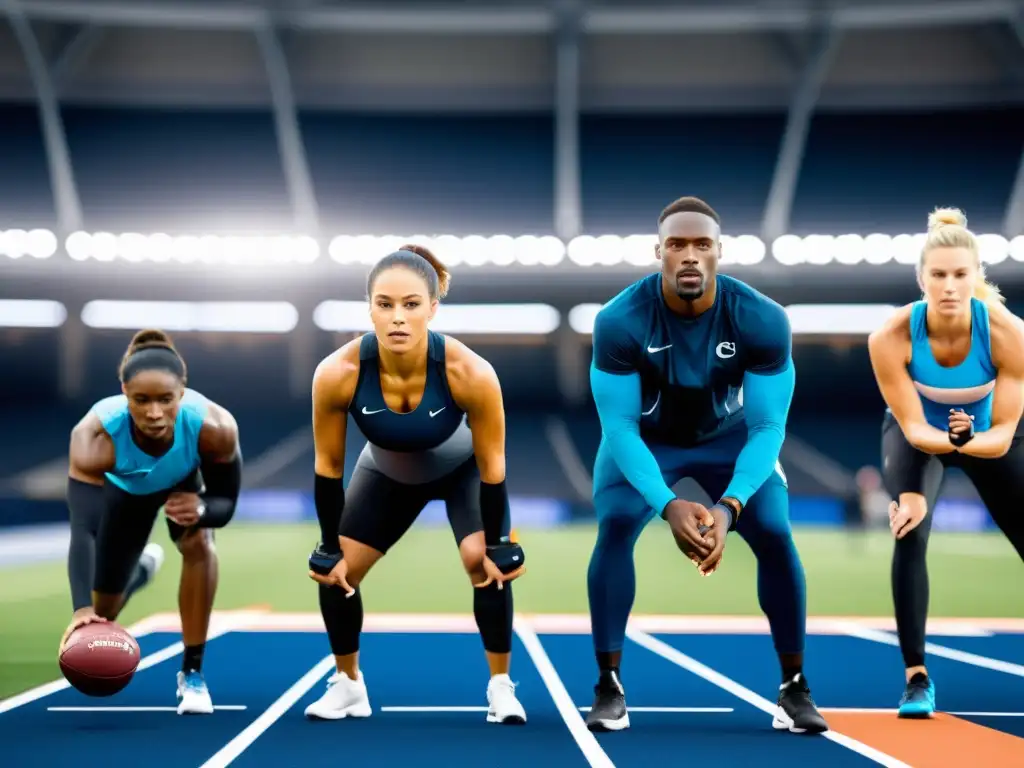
(420, 260)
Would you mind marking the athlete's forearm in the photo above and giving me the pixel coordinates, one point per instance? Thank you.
(990, 444)
(223, 480)
(618, 401)
(928, 439)
(766, 401)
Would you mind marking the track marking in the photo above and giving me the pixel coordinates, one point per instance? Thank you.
(679, 710)
(728, 684)
(223, 624)
(225, 707)
(586, 740)
(254, 619)
(942, 651)
(433, 709)
(884, 711)
(673, 710)
(270, 715)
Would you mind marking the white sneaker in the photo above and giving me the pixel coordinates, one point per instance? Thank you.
(345, 697)
(502, 704)
(151, 559)
(193, 696)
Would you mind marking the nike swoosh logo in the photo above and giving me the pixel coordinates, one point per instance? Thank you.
(652, 350)
(370, 413)
(434, 413)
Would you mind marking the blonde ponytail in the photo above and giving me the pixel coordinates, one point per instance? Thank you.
(947, 228)
(986, 291)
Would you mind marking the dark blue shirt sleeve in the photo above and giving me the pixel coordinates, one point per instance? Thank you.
(767, 337)
(768, 385)
(615, 349)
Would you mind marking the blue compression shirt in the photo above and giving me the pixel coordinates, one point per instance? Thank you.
(657, 377)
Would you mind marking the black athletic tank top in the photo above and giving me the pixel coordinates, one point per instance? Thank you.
(432, 422)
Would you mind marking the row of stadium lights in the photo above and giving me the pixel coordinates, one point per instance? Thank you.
(353, 317)
(476, 250)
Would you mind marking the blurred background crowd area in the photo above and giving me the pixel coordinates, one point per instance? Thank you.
(228, 171)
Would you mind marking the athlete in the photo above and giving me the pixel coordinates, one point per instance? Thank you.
(409, 391)
(951, 370)
(692, 376)
(158, 445)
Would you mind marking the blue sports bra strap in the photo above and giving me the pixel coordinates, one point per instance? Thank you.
(980, 329)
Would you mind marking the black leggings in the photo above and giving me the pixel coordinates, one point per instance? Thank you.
(378, 511)
(999, 482)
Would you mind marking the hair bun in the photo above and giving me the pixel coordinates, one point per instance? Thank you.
(946, 217)
(150, 337)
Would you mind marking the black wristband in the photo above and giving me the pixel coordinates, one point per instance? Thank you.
(734, 508)
(494, 509)
(329, 498)
(507, 556)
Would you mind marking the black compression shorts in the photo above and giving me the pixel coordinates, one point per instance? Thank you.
(127, 524)
(378, 510)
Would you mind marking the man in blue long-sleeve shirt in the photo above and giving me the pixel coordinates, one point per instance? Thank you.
(693, 376)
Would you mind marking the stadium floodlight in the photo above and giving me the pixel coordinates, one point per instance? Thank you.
(452, 250)
(583, 316)
(500, 250)
(188, 249)
(35, 243)
(31, 313)
(206, 316)
(500, 319)
(841, 319)
(1016, 248)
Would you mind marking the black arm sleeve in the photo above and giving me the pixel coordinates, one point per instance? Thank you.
(86, 507)
(329, 497)
(494, 509)
(223, 482)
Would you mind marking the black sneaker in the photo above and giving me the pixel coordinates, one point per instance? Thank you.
(609, 710)
(797, 712)
(323, 562)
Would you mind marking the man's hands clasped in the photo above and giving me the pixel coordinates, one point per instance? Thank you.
(700, 533)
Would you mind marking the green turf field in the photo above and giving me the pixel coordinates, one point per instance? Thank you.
(971, 575)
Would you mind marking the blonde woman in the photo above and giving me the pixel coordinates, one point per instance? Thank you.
(951, 370)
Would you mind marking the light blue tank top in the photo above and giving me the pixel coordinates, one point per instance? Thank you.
(967, 386)
(135, 471)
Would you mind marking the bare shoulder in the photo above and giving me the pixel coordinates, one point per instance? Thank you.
(334, 380)
(1006, 332)
(219, 433)
(91, 450)
(89, 426)
(893, 334)
(469, 374)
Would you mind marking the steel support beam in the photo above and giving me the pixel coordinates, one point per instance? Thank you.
(72, 55)
(794, 138)
(568, 194)
(538, 19)
(1013, 222)
(289, 137)
(62, 180)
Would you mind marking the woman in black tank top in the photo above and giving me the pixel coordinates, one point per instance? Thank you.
(410, 391)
